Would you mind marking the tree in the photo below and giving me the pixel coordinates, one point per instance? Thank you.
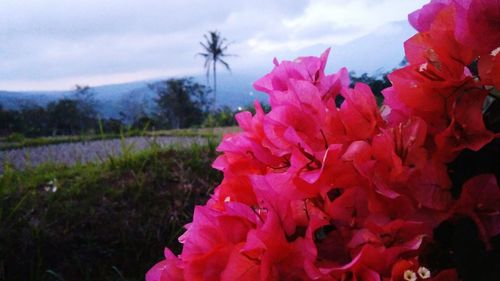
(84, 97)
(214, 51)
(134, 107)
(65, 116)
(181, 102)
(34, 121)
(9, 121)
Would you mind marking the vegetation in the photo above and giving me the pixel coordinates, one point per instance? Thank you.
(16, 140)
(74, 115)
(100, 221)
(214, 52)
(182, 103)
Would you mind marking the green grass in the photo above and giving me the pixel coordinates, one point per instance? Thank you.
(106, 221)
(20, 142)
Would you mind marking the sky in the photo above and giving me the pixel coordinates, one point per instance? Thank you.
(55, 44)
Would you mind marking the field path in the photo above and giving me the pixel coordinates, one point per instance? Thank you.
(84, 152)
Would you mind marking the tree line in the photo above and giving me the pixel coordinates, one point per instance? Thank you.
(179, 103)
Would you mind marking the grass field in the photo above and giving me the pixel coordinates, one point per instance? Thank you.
(18, 141)
(101, 221)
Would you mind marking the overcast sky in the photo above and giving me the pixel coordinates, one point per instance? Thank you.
(55, 44)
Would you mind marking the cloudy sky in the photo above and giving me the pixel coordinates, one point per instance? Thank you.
(55, 44)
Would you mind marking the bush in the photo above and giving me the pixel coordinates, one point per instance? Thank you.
(15, 137)
(100, 222)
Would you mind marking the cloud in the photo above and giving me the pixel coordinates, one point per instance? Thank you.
(44, 44)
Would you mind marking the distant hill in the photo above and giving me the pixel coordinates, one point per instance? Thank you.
(233, 91)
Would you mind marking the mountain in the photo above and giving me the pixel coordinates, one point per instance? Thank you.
(233, 91)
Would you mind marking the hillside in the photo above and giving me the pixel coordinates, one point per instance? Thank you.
(233, 91)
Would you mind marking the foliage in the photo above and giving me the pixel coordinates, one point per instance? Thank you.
(97, 222)
(17, 141)
(221, 117)
(181, 103)
(68, 116)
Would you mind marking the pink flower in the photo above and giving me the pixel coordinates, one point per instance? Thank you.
(307, 69)
(312, 191)
(166, 270)
(448, 102)
(422, 19)
(479, 200)
(359, 112)
(470, 19)
(476, 18)
(466, 129)
(208, 243)
(489, 67)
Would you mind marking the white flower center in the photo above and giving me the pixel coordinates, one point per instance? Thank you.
(422, 67)
(410, 275)
(424, 273)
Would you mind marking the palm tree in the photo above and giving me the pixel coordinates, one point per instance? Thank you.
(214, 51)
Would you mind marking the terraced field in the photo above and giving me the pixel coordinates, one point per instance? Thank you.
(72, 153)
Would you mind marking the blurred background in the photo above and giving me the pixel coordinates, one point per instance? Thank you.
(118, 47)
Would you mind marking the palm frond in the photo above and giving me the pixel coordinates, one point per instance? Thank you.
(224, 64)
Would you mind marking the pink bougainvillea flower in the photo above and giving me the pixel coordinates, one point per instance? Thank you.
(470, 19)
(310, 69)
(466, 129)
(453, 30)
(448, 102)
(406, 153)
(489, 68)
(301, 120)
(424, 91)
(279, 259)
(423, 18)
(388, 241)
(480, 201)
(436, 42)
(359, 112)
(166, 270)
(476, 18)
(401, 168)
(211, 238)
(316, 191)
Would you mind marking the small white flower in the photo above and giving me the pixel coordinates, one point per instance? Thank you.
(424, 273)
(227, 199)
(51, 186)
(410, 275)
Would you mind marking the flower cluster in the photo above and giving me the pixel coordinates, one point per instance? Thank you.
(316, 191)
